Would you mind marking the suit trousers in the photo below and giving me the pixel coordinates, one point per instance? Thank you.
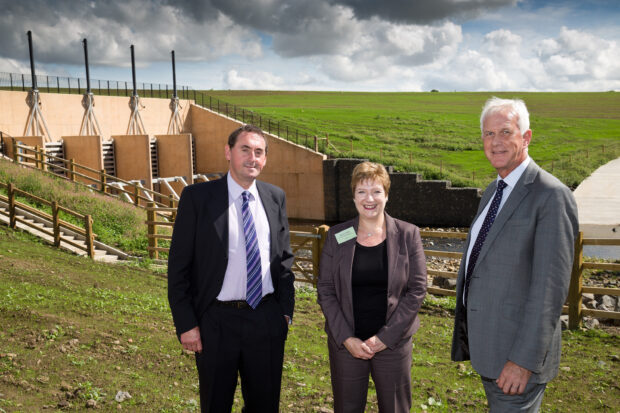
(391, 373)
(241, 342)
(527, 402)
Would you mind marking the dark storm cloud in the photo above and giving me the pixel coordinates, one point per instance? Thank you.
(155, 27)
(421, 12)
(208, 29)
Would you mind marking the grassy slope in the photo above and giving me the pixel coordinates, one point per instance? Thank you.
(71, 326)
(115, 222)
(442, 129)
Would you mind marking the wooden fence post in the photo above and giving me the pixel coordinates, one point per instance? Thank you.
(136, 200)
(173, 204)
(575, 289)
(37, 154)
(14, 147)
(72, 170)
(56, 223)
(11, 196)
(90, 244)
(104, 181)
(44, 159)
(316, 144)
(317, 247)
(151, 230)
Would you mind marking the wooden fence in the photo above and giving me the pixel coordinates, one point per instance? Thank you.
(307, 248)
(38, 158)
(57, 223)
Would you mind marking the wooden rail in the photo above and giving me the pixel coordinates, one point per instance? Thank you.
(306, 246)
(38, 158)
(57, 223)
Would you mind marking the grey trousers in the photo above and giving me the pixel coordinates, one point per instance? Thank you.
(527, 402)
(391, 373)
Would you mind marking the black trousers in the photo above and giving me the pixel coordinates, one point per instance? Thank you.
(244, 342)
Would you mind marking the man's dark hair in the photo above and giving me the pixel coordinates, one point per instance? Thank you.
(232, 139)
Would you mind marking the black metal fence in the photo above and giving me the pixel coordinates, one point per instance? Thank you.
(62, 84)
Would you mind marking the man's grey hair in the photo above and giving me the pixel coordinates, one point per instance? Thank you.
(516, 106)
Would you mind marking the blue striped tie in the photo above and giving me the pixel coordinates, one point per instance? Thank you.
(254, 291)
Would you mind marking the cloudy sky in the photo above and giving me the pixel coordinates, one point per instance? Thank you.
(362, 45)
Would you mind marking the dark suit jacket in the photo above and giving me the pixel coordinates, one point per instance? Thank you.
(520, 281)
(406, 283)
(199, 250)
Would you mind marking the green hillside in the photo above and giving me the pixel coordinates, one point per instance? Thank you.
(438, 134)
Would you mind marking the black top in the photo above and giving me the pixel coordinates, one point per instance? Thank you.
(369, 281)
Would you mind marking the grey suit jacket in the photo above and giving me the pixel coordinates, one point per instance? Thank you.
(406, 283)
(520, 281)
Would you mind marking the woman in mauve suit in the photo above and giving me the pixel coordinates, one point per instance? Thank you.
(372, 282)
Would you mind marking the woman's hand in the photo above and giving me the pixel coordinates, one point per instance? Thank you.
(358, 348)
(374, 344)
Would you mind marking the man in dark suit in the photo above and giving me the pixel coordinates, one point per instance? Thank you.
(230, 284)
(516, 269)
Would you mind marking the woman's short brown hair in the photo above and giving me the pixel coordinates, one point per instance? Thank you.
(370, 171)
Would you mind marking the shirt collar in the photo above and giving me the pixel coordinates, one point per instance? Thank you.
(513, 177)
(235, 190)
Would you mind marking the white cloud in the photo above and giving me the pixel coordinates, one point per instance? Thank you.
(252, 80)
(581, 59)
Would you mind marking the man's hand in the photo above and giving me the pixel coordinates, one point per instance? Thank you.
(513, 378)
(358, 348)
(191, 340)
(375, 345)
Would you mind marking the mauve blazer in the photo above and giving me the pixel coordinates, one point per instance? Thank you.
(406, 283)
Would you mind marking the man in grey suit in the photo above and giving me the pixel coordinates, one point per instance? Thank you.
(515, 271)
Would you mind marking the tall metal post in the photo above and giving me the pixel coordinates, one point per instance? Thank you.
(90, 126)
(174, 77)
(86, 65)
(176, 123)
(35, 117)
(133, 72)
(34, 76)
(136, 127)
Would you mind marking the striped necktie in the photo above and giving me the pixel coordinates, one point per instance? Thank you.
(254, 291)
(482, 235)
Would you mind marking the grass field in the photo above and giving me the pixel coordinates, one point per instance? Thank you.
(74, 330)
(438, 134)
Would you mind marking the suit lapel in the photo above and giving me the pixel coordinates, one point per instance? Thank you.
(218, 209)
(272, 211)
(520, 191)
(393, 248)
(346, 252)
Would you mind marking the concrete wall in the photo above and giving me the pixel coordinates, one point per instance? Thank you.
(294, 168)
(174, 155)
(63, 114)
(86, 151)
(132, 155)
(424, 203)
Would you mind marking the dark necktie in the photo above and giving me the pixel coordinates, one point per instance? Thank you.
(482, 235)
(254, 290)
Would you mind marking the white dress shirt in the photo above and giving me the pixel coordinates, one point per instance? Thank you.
(510, 180)
(235, 278)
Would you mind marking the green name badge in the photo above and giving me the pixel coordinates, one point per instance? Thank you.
(345, 235)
